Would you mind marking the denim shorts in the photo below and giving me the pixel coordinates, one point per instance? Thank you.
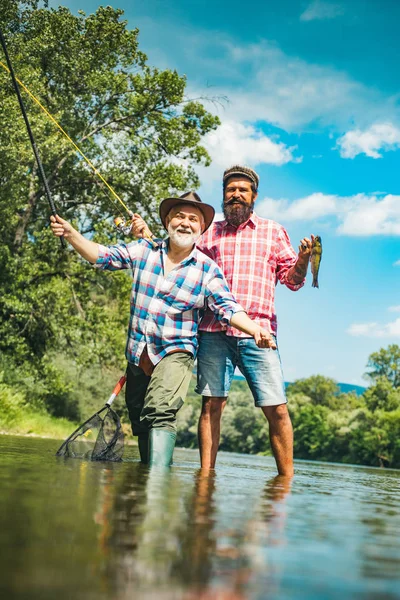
(219, 355)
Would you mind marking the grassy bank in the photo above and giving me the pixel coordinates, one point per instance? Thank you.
(17, 416)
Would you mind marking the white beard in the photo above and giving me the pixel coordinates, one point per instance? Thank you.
(182, 240)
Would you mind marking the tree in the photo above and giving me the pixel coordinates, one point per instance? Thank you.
(318, 388)
(385, 363)
(382, 396)
(139, 128)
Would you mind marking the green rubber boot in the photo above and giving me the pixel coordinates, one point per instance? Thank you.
(161, 447)
(143, 442)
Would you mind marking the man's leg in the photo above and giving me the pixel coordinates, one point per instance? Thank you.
(135, 391)
(209, 430)
(216, 361)
(281, 437)
(165, 395)
(263, 371)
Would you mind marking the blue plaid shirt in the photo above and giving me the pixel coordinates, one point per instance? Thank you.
(165, 311)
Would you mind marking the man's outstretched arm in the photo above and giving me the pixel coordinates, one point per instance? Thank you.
(86, 248)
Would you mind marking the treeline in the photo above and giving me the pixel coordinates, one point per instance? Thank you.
(328, 425)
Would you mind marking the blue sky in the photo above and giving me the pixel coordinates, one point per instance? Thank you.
(314, 107)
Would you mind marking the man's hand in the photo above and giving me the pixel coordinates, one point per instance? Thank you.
(139, 227)
(263, 339)
(298, 272)
(306, 247)
(60, 227)
(86, 248)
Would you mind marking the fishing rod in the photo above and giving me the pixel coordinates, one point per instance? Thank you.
(32, 139)
(120, 223)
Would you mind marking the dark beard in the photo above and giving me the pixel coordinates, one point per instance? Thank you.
(236, 215)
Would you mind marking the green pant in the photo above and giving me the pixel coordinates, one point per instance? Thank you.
(154, 401)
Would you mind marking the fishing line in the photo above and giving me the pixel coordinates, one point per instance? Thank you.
(32, 139)
(44, 109)
(88, 161)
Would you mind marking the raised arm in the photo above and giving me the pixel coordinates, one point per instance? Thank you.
(86, 248)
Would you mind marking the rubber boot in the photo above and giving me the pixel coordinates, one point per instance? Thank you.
(161, 447)
(143, 442)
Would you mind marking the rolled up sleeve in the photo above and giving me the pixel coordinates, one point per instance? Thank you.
(286, 258)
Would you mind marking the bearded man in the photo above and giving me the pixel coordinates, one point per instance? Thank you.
(254, 254)
(172, 283)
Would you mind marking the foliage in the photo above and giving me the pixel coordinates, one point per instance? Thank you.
(385, 363)
(319, 389)
(17, 416)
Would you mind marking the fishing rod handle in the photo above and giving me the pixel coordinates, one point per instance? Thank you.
(116, 390)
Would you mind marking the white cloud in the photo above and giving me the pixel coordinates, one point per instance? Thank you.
(321, 10)
(375, 330)
(378, 137)
(359, 215)
(394, 308)
(237, 143)
(244, 144)
(397, 263)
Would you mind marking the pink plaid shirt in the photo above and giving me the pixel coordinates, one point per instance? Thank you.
(253, 257)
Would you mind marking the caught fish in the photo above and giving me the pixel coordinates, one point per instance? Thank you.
(316, 255)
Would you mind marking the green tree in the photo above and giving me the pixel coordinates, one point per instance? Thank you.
(136, 124)
(383, 395)
(319, 389)
(385, 363)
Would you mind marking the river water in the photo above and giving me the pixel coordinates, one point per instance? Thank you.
(71, 529)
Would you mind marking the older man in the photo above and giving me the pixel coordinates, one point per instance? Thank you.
(254, 254)
(172, 284)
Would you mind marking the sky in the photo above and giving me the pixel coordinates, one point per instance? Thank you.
(308, 94)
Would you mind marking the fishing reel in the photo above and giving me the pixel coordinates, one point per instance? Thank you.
(123, 225)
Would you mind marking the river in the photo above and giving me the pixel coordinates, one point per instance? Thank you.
(71, 529)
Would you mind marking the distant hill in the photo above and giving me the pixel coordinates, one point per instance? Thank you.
(345, 388)
(350, 387)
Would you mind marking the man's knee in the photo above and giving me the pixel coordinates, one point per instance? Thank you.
(278, 414)
(212, 406)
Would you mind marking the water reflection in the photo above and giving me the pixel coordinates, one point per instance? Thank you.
(98, 531)
(159, 534)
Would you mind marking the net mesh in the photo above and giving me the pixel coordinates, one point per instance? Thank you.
(99, 438)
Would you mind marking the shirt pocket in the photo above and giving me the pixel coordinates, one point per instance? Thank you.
(182, 296)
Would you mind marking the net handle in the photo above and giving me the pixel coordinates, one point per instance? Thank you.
(116, 390)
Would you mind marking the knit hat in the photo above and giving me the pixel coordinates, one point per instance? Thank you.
(188, 198)
(239, 170)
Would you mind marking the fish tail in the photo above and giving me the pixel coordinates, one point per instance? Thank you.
(315, 282)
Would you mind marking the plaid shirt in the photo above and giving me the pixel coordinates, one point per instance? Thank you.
(165, 311)
(253, 257)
